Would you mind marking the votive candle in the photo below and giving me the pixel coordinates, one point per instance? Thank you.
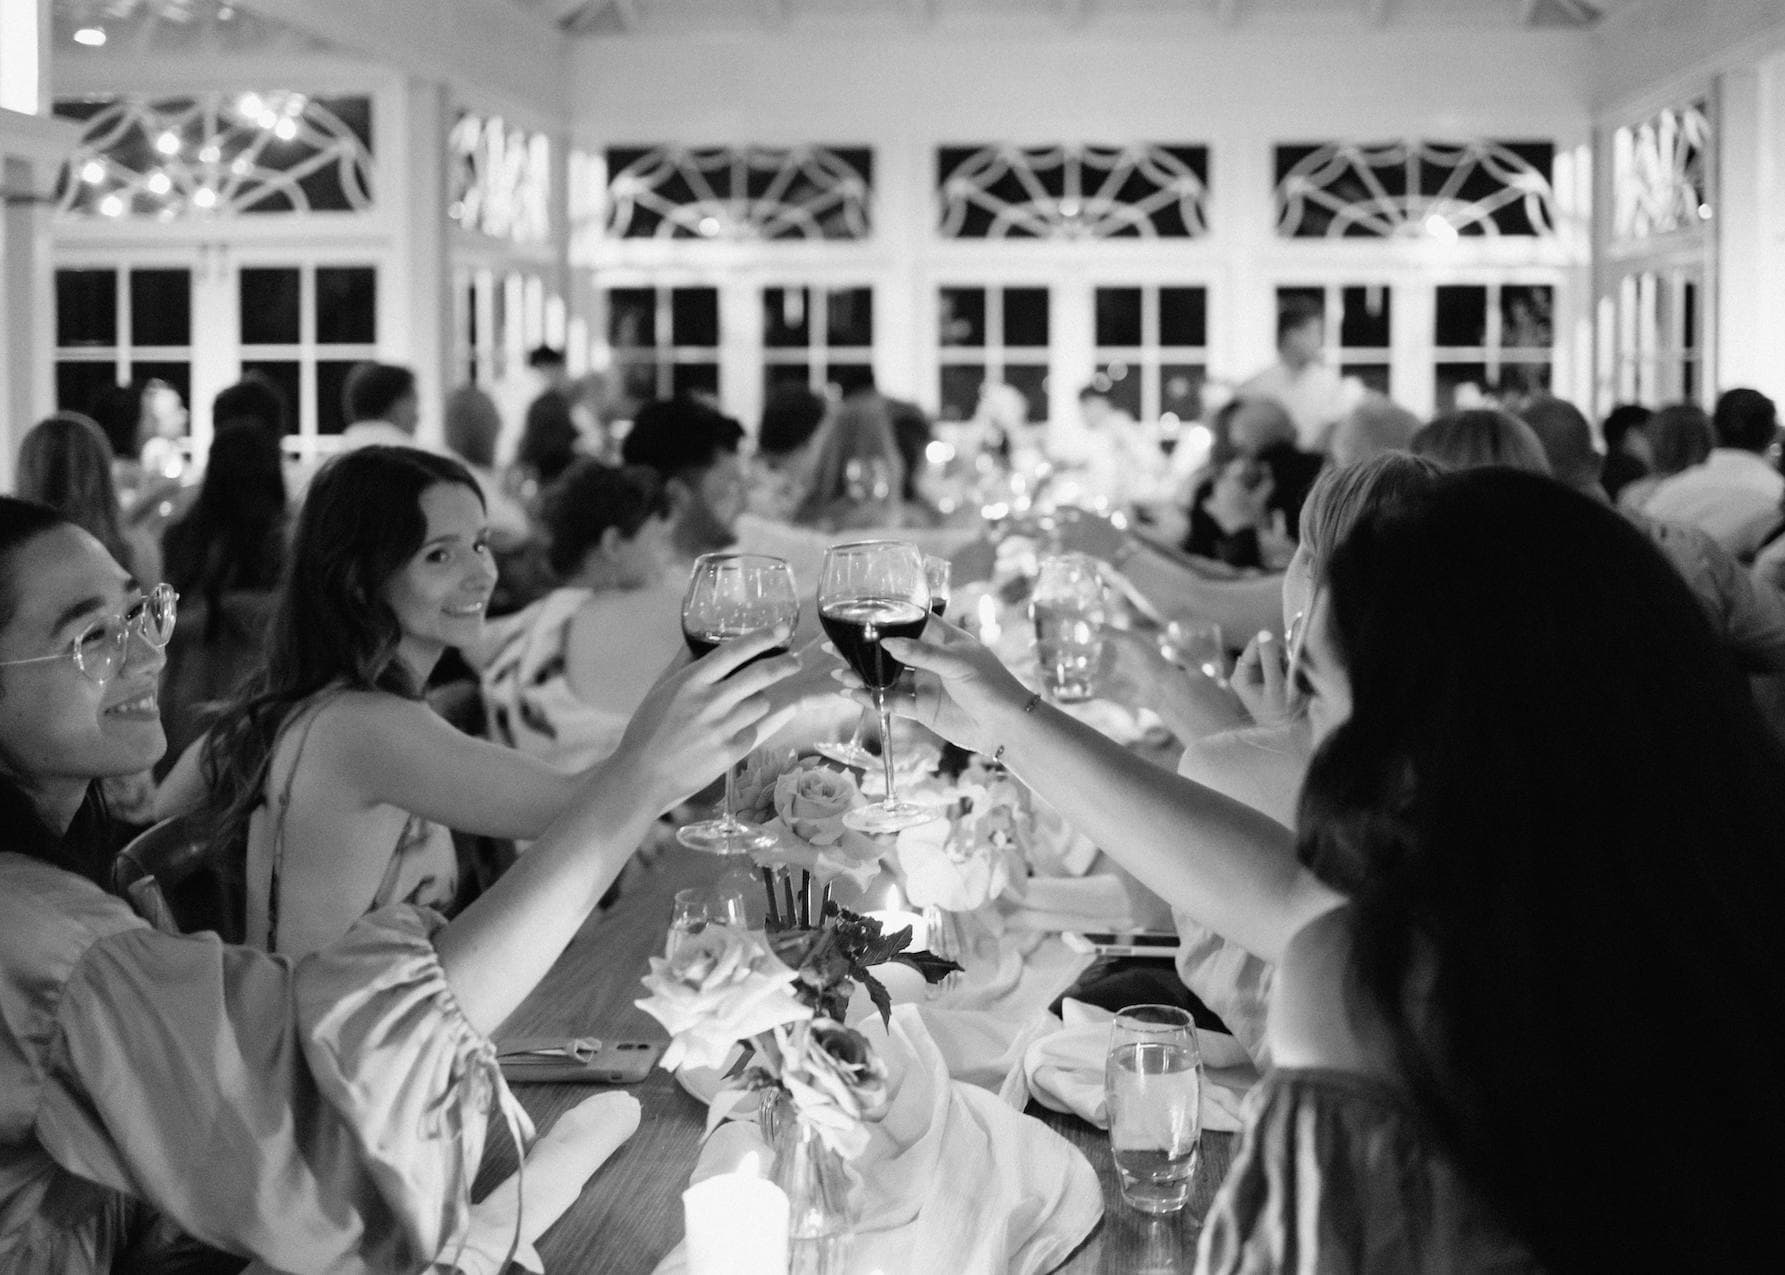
(736, 1225)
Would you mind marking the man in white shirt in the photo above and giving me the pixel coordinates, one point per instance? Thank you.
(1310, 390)
(1734, 495)
(381, 405)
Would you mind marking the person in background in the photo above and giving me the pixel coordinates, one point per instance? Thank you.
(1626, 447)
(1734, 495)
(1374, 426)
(561, 678)
(694, 450)
(164, 423)
(857, 475)
(1248, 511)
(324, 1113)
(472, 425)
(1480, 438)
(150, 500)
(224, 557)
(549, 435)
(913, 433)
(65, 462)
(256, 399)
(1678, 437)
(781, 470)
(381, 405)
(1301, 381)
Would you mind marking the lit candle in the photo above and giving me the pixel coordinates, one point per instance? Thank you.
(989, 631)
(893, 920)
(737, 1224)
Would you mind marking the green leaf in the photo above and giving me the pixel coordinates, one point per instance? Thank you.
(880, 950)
(880, 996)
(933, 968)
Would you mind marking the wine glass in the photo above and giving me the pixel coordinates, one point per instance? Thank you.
(850, 751)
(936, 572)
(1153, 1083)
(732, 595)
(875, 589)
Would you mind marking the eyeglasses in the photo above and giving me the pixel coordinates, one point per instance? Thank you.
(98, 650)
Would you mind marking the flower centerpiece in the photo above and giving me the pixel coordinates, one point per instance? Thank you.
(803, 799)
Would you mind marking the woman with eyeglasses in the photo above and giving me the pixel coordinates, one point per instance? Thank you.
(1527, 929)
(318, 1113)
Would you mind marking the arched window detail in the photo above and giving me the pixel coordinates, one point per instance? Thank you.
(1658, 180)
(501, 179)
(1073, 192)
(740, 193)
(1415, 190)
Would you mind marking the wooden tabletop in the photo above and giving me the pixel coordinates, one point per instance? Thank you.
(631, 1213)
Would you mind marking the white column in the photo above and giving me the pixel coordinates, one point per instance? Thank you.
(415, 302)
(1750, 230)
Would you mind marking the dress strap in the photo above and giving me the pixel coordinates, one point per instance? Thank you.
(281, 807)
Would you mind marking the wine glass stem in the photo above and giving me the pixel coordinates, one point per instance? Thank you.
(861, 729)
(886, 760)
(731, 797)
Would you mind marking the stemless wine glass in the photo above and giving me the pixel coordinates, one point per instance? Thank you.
(732, 595)
(875, 589)
(1069, 608)
(936, 573)
(1153, 1081)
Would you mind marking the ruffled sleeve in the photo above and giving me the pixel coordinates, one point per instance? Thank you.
(1332, 1175)
(322, 1115)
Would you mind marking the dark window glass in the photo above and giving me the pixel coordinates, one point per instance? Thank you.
(786, 318)
(849, 316)
(1180, 389)
(346, 305)
(1302, 298)
(777, 374)
(959, 390)
(1032, 381)
(285, 374)
(1525, 312)
(1373, 375)
(847, 378)
(1462, 315)
(161, 307)
(1118, 316)
(960, 317)
(79, 385)
(1124, 387)
(331, 380)
(87, 307)
(694, 316)
(1183, 316)
(269, 300)
(176, 373)
(1025, 319)
(1449, 377)
(1689, 315)
(632, 318)
(1363, 324)
(639, 381)
(692, 378)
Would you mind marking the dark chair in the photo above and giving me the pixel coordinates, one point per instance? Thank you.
(169, 875)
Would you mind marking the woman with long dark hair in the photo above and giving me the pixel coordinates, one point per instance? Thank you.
(1537, 872)
(65, 462)
(326, 1113)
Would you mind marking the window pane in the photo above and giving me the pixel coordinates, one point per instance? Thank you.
(284, 374)
(847, 378)
(778, 374)
(1025, 319)
(1184, 316)
(1124, 387)
(270, 307)
(638, 382)
(1372, 375)
(331, 380)
(694, 378)
(1460, 385)
(1180, 390)
(1525, 317)
(1118, 316)
(1032, 381)
(175, 373)
(959, 394)
(1364, 323)
(786, 318)
(849, 317)
(632, 318)
(87, 307)
(694, 317)
(346, 305)
(161, 307)
(960, 317)
(1462, 316)
(79, 385)
(1689, 314)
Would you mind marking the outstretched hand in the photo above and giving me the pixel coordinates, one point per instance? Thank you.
(1261, 680)
(956, 686)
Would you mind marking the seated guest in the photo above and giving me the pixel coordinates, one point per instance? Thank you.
(1627, 459)
(563, 676)
(694, 450)
(857, 476)
(913, 433)
(1260, 479)
(1301, 380)
(253, 398)
(1734, 495)
(66, 463)
(329, 767)
(1481, 438)
(224, 558)
(327, 1113)
(1677, 438)
(1376, 425)
(472, 425)
(1536, 811)
(549, 436)
(381, 405)
(779, 476)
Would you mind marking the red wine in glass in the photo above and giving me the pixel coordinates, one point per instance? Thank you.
(856, 626)
(938, 606)
(704, 644)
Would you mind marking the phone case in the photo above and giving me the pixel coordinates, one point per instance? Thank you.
(576, 1061)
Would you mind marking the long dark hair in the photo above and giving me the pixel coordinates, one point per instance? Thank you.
(233, 537)
(86, 847)
(361, 522)
(1558, 817)
(65, 462)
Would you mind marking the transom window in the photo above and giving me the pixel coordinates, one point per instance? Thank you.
(743, 192)
(1414, 189)
(1073, 192)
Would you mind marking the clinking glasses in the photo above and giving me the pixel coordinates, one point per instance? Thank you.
(98, 649)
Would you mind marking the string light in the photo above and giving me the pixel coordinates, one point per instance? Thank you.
(204, 197)
(210, 154)
(168, 143)
(111, 206)
(285, 129)
(159, 183)
(249, 106)
(92, 172)
(92, 37)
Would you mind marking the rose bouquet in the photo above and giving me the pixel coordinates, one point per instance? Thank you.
(803, 801)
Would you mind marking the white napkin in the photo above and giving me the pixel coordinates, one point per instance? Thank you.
(1098, 902)
(1064, 1070)
(559, 1165)
(953, 1179)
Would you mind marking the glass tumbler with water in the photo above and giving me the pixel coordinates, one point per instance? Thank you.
(1153, 1080)
(1069, 610)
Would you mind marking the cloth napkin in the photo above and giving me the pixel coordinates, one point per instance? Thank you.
(953, 1179)
(557, 1168)
(1097, 902)
(1064, 1070)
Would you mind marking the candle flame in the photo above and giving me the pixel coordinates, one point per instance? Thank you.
(751, 1165)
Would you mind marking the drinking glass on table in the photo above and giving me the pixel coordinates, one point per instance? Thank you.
(870, 590)
(732, 595)
(1153, 1081)
(688, 916)
(936, 572)
(1068, 608)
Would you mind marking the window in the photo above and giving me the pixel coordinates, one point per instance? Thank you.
(1073, 192)
(1658, 339)
(988, 336)
(821, 338)
(114, 326)
(501, 179)
(1152, 349)
(747, 192)
(499, 318)
(1493, 339)
(1414, 189)
(1357, 343)
(304, 327)
(1659, 181)
(665, 341)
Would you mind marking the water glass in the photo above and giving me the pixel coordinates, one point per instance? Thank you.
(1153, 1081)
(1069, 608)
(1196, 646)
(687, 915)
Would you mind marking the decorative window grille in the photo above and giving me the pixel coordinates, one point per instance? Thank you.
(217, 155)
(740, 193)
(1415, 190)
(1073, 192)
(1658, 178)
(501, 179)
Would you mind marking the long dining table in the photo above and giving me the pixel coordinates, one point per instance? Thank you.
(630, 1214)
